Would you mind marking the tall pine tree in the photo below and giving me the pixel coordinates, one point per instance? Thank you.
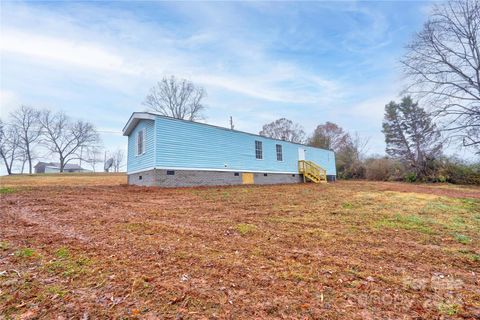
(410, 135)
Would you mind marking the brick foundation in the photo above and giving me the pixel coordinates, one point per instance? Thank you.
(189, 178)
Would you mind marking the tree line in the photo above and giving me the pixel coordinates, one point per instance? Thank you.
(414, 147)
(442, 69)
(28, 131)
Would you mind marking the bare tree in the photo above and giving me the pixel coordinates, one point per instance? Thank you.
(443, 64)
(9, 145)
(93, 157)
(360, 145)
(23, 159)
(65, 137)
(118, 157)
(329, 136)
(349, 156)
(25, 119)
(410, 135)
(177, 98)
(284, 129)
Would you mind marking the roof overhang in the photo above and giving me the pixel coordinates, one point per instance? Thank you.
(134, 119)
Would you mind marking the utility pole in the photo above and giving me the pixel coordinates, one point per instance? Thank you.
(231, 123)
(81, 156)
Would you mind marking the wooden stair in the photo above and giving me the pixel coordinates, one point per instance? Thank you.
(312, 172)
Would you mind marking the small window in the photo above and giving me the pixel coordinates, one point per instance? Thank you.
(236, 174)
(258, 150)
(279, 152)
(265, 174)
(293, 175)
(141, 142)
(140, 177)
(170, 172)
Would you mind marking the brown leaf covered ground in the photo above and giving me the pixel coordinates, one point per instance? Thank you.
(346, 250)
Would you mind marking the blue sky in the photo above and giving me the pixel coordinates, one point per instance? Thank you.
(307, 61)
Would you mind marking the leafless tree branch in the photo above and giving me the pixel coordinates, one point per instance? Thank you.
(177, 98)
(284, 129)
(26, 122)
(443, 66)
(64, 137)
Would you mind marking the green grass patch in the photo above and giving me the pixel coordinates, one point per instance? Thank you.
(68, 267)
(407, 222)
(474, 257)
(25, 253)
(66, 264)
(457, 223)
(441, 207)
(450, 205)
(449, 308)
(62, 253)
(56, 291)
(470, 254)
(245, 228)
(462, 238)
(471, 205)
(7, 190)
(4, 245)
(347, 205)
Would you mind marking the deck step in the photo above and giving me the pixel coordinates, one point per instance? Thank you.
(312, 172)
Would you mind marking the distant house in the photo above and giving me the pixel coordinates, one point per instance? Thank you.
(164, 151)
(54, 167)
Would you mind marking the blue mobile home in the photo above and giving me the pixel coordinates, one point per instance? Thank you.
(164, 151)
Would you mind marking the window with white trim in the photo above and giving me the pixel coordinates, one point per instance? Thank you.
(279, 150)
(258, 149)
(140, 142)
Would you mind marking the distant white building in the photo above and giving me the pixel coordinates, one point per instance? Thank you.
(54, 167)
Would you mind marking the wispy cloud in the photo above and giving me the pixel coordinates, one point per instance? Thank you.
(310, 61)
(54, 49)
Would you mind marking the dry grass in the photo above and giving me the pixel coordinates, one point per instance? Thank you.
(349, 250)
(70, 179)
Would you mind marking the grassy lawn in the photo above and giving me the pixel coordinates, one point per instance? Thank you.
(348, 250)
(55, 179)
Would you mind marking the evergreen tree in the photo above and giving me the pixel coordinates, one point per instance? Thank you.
(411, 136)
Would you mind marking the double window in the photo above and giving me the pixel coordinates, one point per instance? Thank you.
(278, 148)
(140, 142)
(258, 150)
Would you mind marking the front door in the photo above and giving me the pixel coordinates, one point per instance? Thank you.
(301, 154)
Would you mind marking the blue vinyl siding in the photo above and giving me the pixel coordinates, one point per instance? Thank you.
(147, 159)
(183, 144)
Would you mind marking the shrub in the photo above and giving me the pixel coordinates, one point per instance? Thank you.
(456, 171)
(351, 170)
(411, 177)
(383, 169)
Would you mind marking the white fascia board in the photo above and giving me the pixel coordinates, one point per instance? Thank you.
(134, 118)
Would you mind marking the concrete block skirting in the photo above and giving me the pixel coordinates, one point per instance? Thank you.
(331, 178)
(189, 178)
